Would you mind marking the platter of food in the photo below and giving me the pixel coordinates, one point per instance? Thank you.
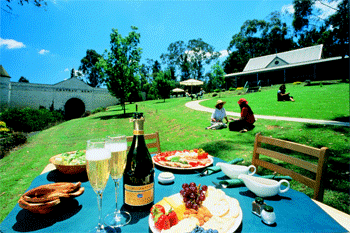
(183, 160)
(194, 208)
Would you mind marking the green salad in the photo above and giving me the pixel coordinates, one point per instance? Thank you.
(76, 158)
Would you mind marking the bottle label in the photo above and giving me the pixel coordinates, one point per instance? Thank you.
(138, 132)
(139, 195)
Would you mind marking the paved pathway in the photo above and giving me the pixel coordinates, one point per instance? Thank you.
(196, 106)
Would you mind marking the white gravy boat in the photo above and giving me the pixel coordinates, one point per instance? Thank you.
(233, 171)
(263, 187)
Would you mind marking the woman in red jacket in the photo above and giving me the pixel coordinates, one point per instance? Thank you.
(247, 119)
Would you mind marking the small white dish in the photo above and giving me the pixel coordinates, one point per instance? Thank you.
(263, 187)
(166, 177)
(233, 171)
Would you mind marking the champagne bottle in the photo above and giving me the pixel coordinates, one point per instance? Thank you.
(138, 178)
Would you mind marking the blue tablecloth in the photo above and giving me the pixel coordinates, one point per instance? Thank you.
(295, 211)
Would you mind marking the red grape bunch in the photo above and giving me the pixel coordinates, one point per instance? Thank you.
(193, 195)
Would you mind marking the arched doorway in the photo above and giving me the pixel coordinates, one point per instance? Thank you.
(74, 108)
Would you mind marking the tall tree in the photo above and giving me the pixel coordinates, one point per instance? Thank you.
(23, 80)
(340, 24)
(257, 38)
(163, 84)
(121, 64)
(189, 58)
(72, 73)
(217, 76)
(88, 67)
(302, 11)
(156, 67)
(200, 52)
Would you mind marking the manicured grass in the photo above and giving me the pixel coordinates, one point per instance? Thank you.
(327, 102)
(183, 128)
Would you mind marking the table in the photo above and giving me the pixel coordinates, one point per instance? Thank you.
(295, 211)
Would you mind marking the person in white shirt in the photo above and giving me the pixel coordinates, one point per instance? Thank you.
(218, 116)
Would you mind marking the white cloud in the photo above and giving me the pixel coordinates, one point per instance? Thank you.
(325, 11)
(76, 72)
(288, 9)
(43, 52)
(224, 53)
(322, 10)
(11, 44)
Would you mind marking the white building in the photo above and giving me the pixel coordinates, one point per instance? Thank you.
(290, 66)
(71, 95)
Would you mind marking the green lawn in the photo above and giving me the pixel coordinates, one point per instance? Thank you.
(183, 128)
(327, 102)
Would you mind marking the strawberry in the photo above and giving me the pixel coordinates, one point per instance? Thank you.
(157, 209)
(172, 218)
(162, 222)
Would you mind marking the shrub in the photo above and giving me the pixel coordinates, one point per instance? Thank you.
(2, 124)
(239, 88)
(10, 140)
(100, 109)
(232, 89)
(86, 114)
(28, 120)
(217, 90)
(297, 83)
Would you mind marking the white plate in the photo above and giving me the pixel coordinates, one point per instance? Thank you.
(232, 229)
(191, 168)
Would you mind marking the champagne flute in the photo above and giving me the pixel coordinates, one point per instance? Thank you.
(97, 166)
(117, 146)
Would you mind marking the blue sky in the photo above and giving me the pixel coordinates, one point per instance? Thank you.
(44, 45)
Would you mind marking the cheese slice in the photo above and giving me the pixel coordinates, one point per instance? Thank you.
(233, 208)
(176, 202)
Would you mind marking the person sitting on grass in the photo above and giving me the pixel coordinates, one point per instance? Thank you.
(247, 119)
(282, 95)
(217, 117)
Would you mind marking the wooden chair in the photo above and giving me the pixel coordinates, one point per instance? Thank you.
(319, 169)
(153, 144)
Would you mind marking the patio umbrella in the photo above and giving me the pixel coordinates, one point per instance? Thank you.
(177, 90)
(191, 82)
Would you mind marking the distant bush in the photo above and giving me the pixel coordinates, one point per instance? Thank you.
(239, 88)
(297, 83)
(86, 114)
(100, 109)
(232, 89)
(28, 120)
(9, 140)
(217, 90)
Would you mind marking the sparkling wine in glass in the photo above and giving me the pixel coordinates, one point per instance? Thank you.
(98, 170)
(117, 146)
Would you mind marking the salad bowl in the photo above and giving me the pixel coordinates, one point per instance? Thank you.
(67, 162)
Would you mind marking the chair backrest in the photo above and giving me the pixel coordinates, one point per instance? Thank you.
(152, 141)
(319, 169)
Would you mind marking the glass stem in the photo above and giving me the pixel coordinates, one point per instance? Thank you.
(116, 184)
(99, 203)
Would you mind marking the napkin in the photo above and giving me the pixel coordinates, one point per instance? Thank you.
(238, 182)
(214, 169)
